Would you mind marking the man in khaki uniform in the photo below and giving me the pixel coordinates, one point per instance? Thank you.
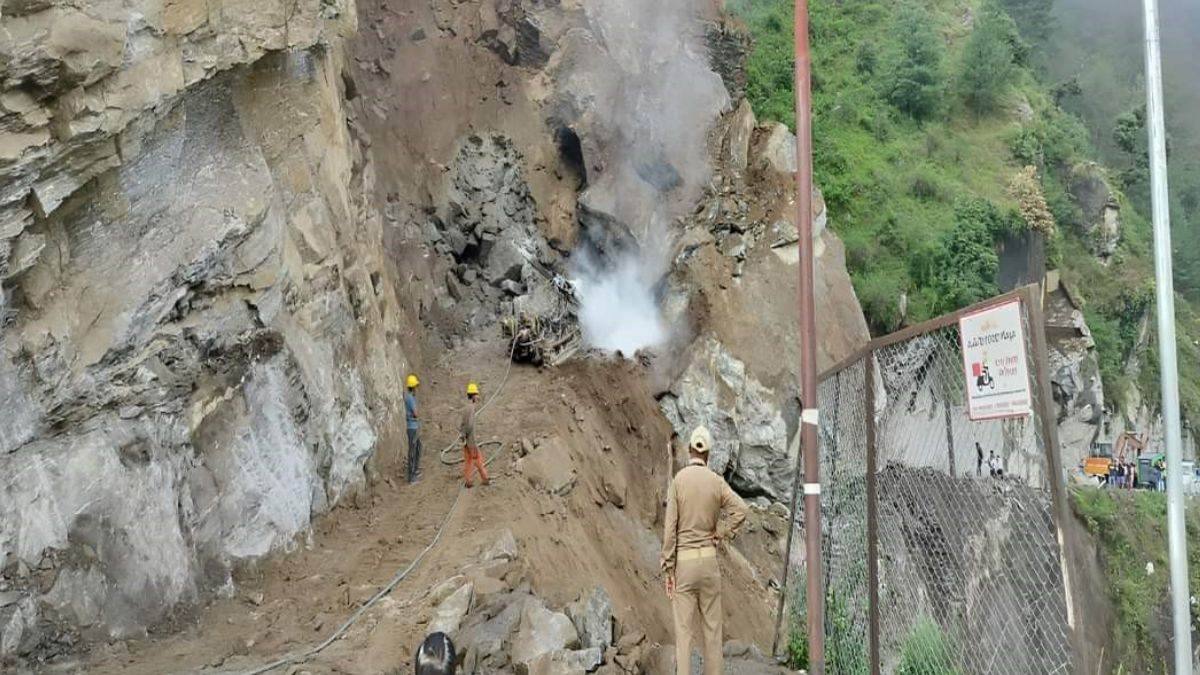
(692, 533)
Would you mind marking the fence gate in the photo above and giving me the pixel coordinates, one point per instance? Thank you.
(940, 543)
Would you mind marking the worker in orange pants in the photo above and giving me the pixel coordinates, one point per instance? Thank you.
(472, 458)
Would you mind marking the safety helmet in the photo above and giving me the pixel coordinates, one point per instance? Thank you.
(472, 389)
(412, 382)
(701, 441)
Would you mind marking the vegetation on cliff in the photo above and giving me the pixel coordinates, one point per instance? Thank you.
(1129, 528)
(937, 134)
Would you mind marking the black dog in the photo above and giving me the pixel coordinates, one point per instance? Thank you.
(436, 656)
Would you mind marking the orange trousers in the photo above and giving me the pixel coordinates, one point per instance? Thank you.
(473, 458)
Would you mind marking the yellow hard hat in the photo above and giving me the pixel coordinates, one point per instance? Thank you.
(412, 382)
(472, 389)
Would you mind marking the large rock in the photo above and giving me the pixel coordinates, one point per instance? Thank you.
(505, 548)
(449, 614)
(750, 441)
(492, 637)
(564, 662)
(550, 467)
(542, 631)
(737, 140)
(593, 618)
(1091, 187)
(776, 149)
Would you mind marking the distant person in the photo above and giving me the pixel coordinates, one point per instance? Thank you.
(436, 656)
(414, 428)
(978, 460)
(992, 464)
(1162, 476)
(692, 532)
(472, 458)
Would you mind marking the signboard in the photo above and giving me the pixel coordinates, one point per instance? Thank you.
(993, 347)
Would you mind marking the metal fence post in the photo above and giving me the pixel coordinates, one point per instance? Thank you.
(949, 434)
(872, 525)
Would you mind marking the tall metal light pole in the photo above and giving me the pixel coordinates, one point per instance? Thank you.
(1169, 368)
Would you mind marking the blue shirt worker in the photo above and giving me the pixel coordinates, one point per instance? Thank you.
(414, 429)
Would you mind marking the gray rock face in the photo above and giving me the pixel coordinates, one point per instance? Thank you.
(542, 632)
(199, 411)
(749, 434)
(1089, 185)
(1075, 377)
(593, 619)
(489, 221)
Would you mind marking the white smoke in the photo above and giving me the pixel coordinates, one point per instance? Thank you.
(619, 311)
(646, 99)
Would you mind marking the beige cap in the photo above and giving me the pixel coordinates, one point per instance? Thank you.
(701, 441)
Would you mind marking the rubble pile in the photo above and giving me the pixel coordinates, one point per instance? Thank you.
(500, 625)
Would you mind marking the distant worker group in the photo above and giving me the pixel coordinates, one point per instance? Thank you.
(473, 461)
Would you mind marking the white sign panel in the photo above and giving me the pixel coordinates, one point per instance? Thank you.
(993, 347)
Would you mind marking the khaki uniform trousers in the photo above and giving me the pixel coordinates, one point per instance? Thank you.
(698, 605)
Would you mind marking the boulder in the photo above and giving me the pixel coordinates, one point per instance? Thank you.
(504, 262)
(777, 149)
(505, 548)
(592, 615)
(1091, 188)
(450, 612)
(549, 468)
(490, 638)
(750, 442)
(564, 662)
(542, 631)
(446, 589)
(737, 140)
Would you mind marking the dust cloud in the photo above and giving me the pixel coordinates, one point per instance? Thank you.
(650, 101)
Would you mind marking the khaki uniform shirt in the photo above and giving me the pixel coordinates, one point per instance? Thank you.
(695, 501)
(467, 428)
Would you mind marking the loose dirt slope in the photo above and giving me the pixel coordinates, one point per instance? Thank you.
(568, 544)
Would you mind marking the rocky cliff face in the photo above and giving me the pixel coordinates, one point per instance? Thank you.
(193, 354)
(219, 222)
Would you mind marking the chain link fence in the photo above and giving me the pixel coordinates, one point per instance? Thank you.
(940, 549)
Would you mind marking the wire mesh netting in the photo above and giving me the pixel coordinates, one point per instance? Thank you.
(959, 515)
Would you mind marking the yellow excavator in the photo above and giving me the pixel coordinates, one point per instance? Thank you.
(1129, 445)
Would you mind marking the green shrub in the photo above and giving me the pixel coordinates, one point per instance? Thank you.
(990, 61)
(916, 81)
(961, 266)
(797, 647)
(927, 651)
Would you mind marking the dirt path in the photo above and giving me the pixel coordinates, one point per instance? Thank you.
(568, 542)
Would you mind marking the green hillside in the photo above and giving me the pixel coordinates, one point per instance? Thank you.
(935, 135)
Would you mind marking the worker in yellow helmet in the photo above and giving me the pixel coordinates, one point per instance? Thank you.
(414, 428)
(472, 458)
